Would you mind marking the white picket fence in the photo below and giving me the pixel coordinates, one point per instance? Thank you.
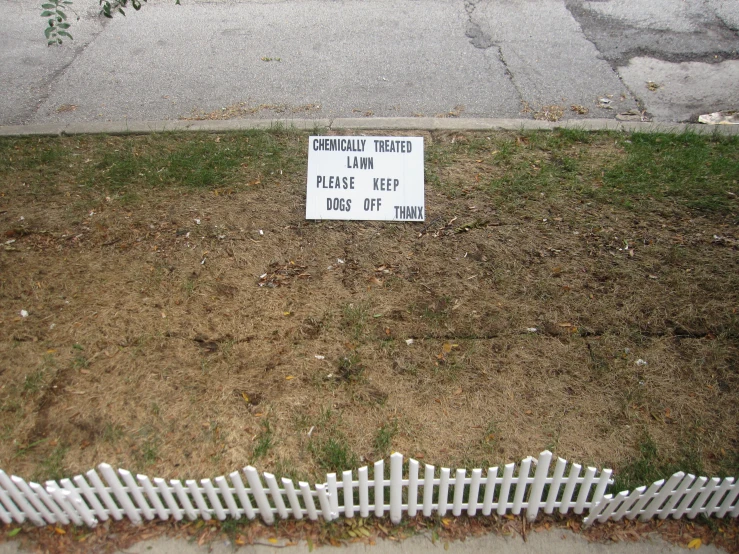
(89, 499)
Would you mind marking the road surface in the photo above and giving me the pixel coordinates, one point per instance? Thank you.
(669, 59)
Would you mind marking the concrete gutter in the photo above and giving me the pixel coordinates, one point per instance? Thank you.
(554, 541)
(358, 124)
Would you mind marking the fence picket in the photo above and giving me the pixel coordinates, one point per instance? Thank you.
(656, 503)
(324, 502)
(613, 504)
(596, 509)
(735, 511)
(59, 496)
(396, 487)
(676, 496)
(537, 488)
(101, 492)
(692, 492)
(310, 506)
(718, 495)
(34, 499)
(92, 499)
(490, 481)
(333, 494)
(521, 484)
(124, 500)
(644, 498)
(184, 499)
(19, 500)
(412, 488)
(363, 492)
(600, 488)
(276, 494)
(215, 503)
(241, 494)
(428, 490)
(630, 500)
(443, 491)
(135, 491)
(6, 501)
(584, 490)
(228, 498)
(79, 505)
(458, 496)
(566, 503)
(707, 490)
(153, 497)
(5, 516)
(257, 491)
(559, 471)
(473, 504)
(292, 498)
(194, 492)
(163, 489)
(49, 502)
(505, 488)
(348, 493)
(379, 479)
(728, 501)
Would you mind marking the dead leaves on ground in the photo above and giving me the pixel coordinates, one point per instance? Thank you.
(279, 275)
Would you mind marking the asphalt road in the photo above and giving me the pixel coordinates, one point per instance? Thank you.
(365, 58)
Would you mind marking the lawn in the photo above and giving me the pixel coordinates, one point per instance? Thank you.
(569, 291)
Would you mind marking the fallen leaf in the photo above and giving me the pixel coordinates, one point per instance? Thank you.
(289, 377)
(695, 544)
(59, 531)
(272, 540)
(14, 532)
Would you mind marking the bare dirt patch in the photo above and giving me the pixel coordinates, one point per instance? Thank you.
(187, 322)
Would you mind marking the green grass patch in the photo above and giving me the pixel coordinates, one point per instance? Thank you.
(648, 466)
(692, 169)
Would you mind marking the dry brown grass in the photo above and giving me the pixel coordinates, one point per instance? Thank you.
(151, 346)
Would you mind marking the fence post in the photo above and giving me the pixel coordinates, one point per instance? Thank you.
(458, 492)
(412, 488)
(379, 476)
(396, 487)
(265, 510)
(537, 488)
(120, 494)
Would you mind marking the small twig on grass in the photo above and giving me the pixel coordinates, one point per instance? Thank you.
(423, 231)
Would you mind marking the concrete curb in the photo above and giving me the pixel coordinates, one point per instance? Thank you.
(359, 124)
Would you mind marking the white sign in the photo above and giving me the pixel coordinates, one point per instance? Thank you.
(365, 178)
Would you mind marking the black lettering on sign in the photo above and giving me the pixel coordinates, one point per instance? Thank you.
(409, 212)
(385, 184)
(372, 204)
(338, 204)
(338, 145)
(334, 182)
(395, 146)
(359, 162)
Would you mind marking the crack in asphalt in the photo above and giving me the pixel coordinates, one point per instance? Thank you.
(483, 41)
(479, 38)
(45, 87)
